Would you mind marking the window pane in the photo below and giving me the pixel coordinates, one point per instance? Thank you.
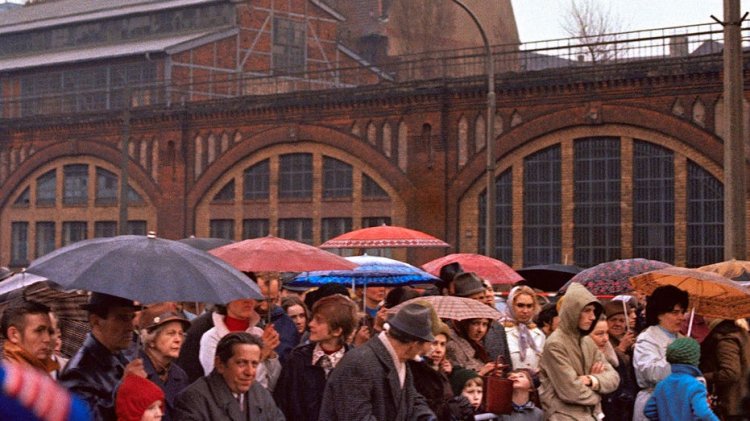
(75, 189)
(597, 200)
(337, 178)
(376, 221)
(222, 228)
(136, 227)
(133, 197)
(23, 199)
(105, 229)
(333, 227)
(296, 176)
(288, 45)
(226, 194)
(542, 207)
(45, 189)
(73, 231)
(45, 238)
(19, 243)
(372, 189)
(297, 229)
(256, 181)
(254, 228)
(705, 221)
(653, 202)
(503, 218)
(106, 187)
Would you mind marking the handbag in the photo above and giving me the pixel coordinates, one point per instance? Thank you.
(498, 390)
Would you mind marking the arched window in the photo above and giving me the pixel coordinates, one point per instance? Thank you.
(296, 176)
(226, 194)
(542, 207)
(256, 181)
(337, 178)
(46, 185)
(705, 217)
(653, 202)
(75, 184)
(503, 218)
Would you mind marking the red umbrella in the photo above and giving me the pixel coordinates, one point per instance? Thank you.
(384, 236)
(273, 254)
(487, 268)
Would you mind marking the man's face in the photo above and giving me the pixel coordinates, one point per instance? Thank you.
(116, 331)
(374, 295)
(320, 330)
(270, 290)
(523, 308)
(239, 371)
(241, 309)
(617, 325)
(587, 317)
(34, 337)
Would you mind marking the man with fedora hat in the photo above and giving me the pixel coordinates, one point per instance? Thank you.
(98, 366)
(373, 381)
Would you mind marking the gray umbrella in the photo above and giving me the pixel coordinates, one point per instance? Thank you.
(145, 269)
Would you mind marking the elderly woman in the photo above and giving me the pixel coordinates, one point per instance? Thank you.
(665, 312)
(525, 339)
(162, 335)
(465, 349)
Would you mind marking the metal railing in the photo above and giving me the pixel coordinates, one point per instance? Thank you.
(605, 57)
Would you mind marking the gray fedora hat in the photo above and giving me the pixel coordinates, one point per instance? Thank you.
(415, 320)
(467, 284)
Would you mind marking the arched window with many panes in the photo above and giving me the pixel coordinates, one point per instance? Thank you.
(653, 202)
(542, 207)
(296, 176)
(337, 178)
(256, 181)
(503, 218)
(705, 217)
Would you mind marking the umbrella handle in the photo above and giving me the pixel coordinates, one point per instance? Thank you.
(690, 324)
(627, 316)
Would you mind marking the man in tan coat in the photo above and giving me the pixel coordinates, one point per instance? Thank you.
(573, 372)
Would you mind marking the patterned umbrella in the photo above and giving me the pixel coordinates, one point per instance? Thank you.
(613, 278)
(736, 270)
(710, 294)
(371, 271)
(383, 236)
(487, 268)
(454, 308)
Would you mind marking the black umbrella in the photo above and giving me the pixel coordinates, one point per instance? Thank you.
(145, 269)
(548, 277)
(205, 243)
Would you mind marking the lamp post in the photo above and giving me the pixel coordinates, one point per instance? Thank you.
(489, 135)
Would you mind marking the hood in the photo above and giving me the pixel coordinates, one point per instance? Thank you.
(575, 299)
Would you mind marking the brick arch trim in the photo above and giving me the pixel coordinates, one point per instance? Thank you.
(304, 133)
(64, 149)
(708, 144)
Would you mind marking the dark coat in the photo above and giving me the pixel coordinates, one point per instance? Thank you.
(93, 374)
(209, 399)
(618, 405)
(496, 343)
(188, 359)
(176, 382)
(435, 388)
(725, 362)
(288, 335)
(365, 387)
(298, 391)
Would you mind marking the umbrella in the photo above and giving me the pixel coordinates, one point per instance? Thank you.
(736, 270)
(384, 236)
(613, 278)
(205, 243)
(273, 254)
(548, 277)
(145, 269)
(455, 308)
(710, 294)
(370, 271)
(487, 268)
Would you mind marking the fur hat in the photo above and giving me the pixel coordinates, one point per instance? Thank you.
(134, 396)
(684, 351)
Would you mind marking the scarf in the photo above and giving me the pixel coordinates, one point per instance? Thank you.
(525, 339)
(528, 406)
(19, 355)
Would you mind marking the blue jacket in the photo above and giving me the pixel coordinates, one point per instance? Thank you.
(680, 397)
(177, 381)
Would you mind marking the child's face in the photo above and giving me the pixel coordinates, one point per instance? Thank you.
(473, 393)
(438, 348)
(520, 381)
(153, 412)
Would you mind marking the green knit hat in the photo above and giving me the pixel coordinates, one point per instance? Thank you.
(684, 351)
(459, 377)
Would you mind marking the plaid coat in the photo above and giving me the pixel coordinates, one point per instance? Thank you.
(365, 386)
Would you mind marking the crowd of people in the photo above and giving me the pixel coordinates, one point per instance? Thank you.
(333, 354)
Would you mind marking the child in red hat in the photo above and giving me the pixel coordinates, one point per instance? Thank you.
(139, 399)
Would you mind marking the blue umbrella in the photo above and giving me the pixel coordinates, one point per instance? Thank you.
(145, 269)
(372, 271)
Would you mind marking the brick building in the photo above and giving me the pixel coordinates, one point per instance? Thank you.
(595, 161)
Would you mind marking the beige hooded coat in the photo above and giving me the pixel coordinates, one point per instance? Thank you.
(566, 357)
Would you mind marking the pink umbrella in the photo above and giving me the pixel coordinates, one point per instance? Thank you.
(384, 236)
(493, 270)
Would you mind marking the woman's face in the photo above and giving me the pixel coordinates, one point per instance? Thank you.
(672, 320)
(473, 393)
(153, 412)
(169, 340)
(617, 325)
(523, 308)
(298, 316)
(438, 348)
(477, 329)
(599, 334)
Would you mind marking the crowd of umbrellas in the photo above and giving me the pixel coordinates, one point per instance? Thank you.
(148, 269)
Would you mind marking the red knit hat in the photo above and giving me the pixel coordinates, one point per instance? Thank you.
(134, 396)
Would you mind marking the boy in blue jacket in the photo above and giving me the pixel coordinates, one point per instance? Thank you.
(681, 396)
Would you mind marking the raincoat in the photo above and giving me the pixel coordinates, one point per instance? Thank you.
(650, 363)
(567, 356)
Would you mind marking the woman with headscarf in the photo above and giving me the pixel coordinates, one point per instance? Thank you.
(525, 339)
(665, 311)
(465, 349)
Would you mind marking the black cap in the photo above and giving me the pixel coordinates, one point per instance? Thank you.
(99, 300)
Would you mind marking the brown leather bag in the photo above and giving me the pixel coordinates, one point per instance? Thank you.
(498, 390)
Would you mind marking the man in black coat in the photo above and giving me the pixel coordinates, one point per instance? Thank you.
(230, 391)
(372, 382)
(100, 364)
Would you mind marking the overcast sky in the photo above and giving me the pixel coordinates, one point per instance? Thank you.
(542, 19)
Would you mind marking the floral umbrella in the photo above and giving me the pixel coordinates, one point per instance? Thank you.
(613, 278)
(493, 270)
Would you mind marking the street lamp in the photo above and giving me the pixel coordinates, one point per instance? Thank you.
(489, 135)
